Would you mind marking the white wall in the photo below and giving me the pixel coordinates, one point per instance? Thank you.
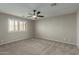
(7, 37)
(60, 28)
(77, 28)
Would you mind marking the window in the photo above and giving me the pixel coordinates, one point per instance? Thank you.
(24, 26)
(21, 26)
(16, 25)
(11, 25)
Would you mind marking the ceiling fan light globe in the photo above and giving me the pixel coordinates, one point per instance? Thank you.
(34, 16)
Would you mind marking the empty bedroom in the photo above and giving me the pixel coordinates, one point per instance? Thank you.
(39, 28)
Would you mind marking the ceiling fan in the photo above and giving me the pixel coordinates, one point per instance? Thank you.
(35, 15)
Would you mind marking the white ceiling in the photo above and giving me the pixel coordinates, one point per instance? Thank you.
(22, 9)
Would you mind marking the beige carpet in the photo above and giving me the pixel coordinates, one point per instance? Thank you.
(38, 47)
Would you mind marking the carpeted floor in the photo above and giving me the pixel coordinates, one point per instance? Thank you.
(38, 47)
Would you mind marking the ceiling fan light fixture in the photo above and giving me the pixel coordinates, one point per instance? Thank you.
(34, 16)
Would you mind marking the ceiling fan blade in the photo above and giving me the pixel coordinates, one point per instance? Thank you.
(34, 12)
(38, 12)
(40, 16)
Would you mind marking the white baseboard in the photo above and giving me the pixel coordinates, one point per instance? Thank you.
(13, 41)
(56, 41)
